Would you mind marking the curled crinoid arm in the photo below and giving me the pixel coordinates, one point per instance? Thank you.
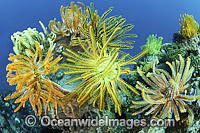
(26, 72)
(58, 28)
(165, 93)
(100, 68)
(71, 19)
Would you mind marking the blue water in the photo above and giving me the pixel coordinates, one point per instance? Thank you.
(149, 17)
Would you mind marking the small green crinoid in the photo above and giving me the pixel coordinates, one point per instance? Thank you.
(153, 45)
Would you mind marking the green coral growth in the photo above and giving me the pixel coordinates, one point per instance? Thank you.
(190, 49)
(153, 44)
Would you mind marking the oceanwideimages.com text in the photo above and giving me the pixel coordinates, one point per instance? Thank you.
(99, 122)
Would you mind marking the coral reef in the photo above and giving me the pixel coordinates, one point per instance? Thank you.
(11, 122)
(78, 70)
(189, 48)
(97, 57)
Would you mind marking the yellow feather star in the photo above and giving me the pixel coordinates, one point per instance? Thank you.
(27, 73)
(167, 93)
(188, 26)
(100, 68)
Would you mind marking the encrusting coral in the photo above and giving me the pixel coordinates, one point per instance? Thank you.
(100, 68)
(166, 95)
(188, 26)
(189, 48)
(27, 72)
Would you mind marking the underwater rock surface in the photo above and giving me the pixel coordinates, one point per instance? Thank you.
(15, 122)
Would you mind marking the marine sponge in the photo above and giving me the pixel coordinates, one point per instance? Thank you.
(153, 44)
(166, 93)
(28, 73)
(100, 68)
(188, 26)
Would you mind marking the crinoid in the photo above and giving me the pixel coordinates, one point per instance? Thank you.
(71, 18)
(166, 95)
(111, 23)
(26, 40)
(100, 68)
(188, 26)
(27, 72)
